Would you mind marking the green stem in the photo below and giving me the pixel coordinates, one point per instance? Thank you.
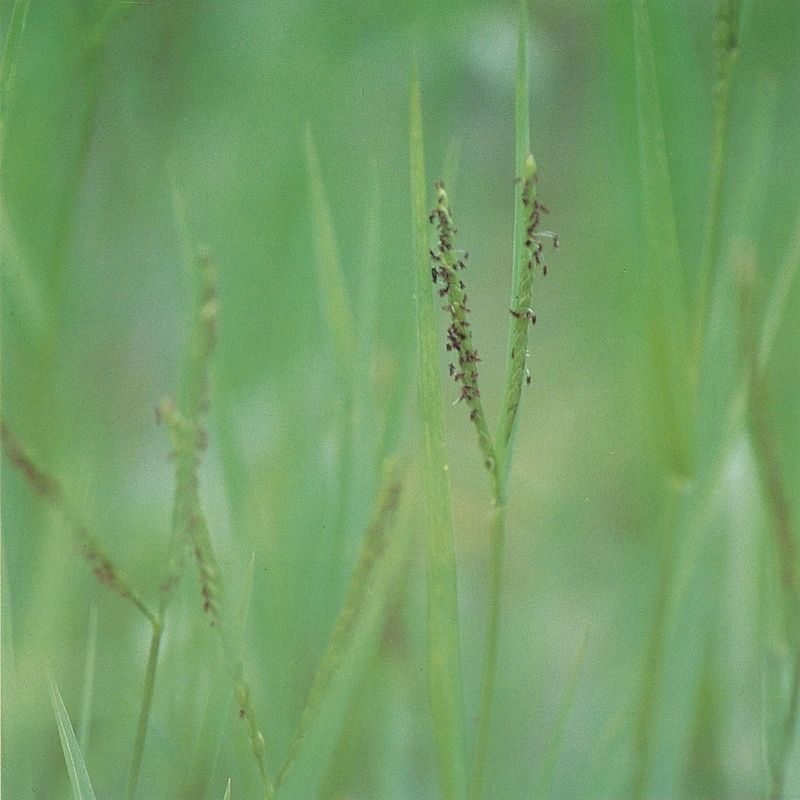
(525, 216)
(726, 30)
(144, 711)
(505, 435)
(497, 547)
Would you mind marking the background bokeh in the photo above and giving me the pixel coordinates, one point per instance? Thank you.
(206, 105)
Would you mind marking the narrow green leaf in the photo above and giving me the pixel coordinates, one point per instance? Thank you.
(726, 50)
(444, 667)
(228, 791)
(78, 776)
(21, 281)
(336, 308)
(88, 678)
(779, 297)
(668, 314)
(14, 34)
(520, 280)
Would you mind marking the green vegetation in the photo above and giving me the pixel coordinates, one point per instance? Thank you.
(296, 581)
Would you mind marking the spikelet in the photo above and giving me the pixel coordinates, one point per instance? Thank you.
(448, 265)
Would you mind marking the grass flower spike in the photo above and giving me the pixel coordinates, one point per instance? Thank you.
(448, 264)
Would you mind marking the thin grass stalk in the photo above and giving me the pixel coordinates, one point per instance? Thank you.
(778, 300)
(145, 707)
(444, 669)
(663, 270)
(88, 679)
(372, 551)
(448, 265)
(504, 437)
(8, 62)
(336, 308)
(339, 319)
(92, 550)
(190, 531)
(517, 329)
(726, 51)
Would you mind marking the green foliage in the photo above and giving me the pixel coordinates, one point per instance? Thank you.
(78, 776)
(654, 496)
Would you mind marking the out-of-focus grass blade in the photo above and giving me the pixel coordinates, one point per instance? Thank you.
(78, 776)
(369, 295)
(339, 318)
(333, 290)
(88, 678)
(663, 272)
(21, 281)
(16, 29)
(778, 299)
(444, 667)
(243, 603)
(218, 713)
(351, 647)
(228, 791)
(726, 50)
(559, 729)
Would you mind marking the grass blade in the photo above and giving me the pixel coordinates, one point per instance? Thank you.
(228, 791)
(726, 50)
(663, 272)
(337, 312)
(444, 667)
(373, 552)
(78, 776)
(504, 440)
(88, 678)
(778, 299)
(8, 62)
(333, 290)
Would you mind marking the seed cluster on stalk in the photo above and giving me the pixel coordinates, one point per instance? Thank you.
(533, 255)
(448, 263)
(533, 213)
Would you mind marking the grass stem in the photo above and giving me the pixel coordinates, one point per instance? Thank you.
(144, 709)
(488, 679)
(726, 50)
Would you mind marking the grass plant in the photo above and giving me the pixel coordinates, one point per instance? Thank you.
(351, 598)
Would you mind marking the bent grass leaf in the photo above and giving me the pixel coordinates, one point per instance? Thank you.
(333, 291)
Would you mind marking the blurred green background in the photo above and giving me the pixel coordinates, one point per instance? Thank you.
(215, 98)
